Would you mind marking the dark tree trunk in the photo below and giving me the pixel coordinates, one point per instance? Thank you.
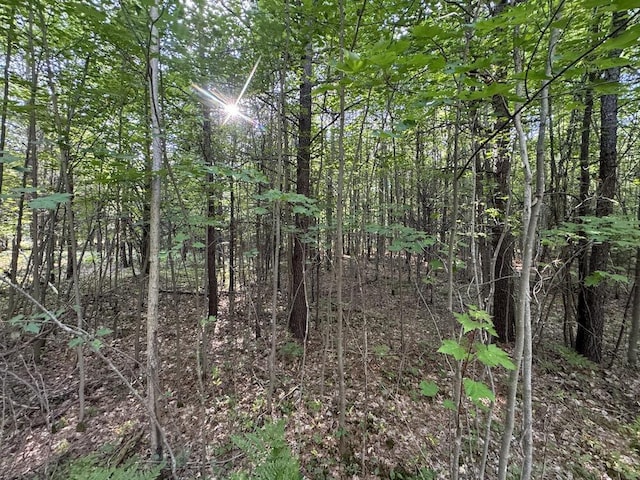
(593, 298)
(232, 247)
(298, 316)
(146, 208)
(583, 206)
(212, 240)
(503, 301)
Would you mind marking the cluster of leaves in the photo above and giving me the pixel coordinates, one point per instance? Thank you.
(301, 204)
(269, 454)
(404, 238)
(619, 231)
(31, 324)
(468, 348)
(89, 468)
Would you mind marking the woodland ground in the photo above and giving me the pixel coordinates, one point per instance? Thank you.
(587, 417)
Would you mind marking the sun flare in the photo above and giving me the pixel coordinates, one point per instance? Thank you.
(229, 106)
(232, 109)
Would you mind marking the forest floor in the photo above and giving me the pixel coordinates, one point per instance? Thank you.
(586, 417)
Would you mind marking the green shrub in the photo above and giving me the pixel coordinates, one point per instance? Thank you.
(89, 468)
(269, 454)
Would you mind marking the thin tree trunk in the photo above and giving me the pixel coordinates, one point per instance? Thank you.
(340, 254)
(583, 207)
(153, 361)
(281, 151)
(523, 355)
(5, 95)
(634, 333)
(63, 134)
(232, 248)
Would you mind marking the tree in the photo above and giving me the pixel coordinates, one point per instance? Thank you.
(153, 361)
(634, 333)
(5, 93)
(299, 309)
(592, 297)
(502, 237)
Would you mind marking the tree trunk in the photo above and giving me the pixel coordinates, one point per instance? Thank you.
(583, 207)
(5, 96)
(340, 257)
(592, 298)
(153, 361)
(299, 309)
(503, 300)
(634, 333)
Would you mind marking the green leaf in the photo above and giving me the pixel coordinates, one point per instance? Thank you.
(594, 279)
(104, 331)
(625, 4)
(76, 342)
(492, 356)
(598, 276)
(260, 211)
(448, 403)
(468, 325)
(429, 389)
(477, 391)
(96, 344)
(32, 327)
(352, 62)
(14, 321)
(6, 157)
(453, 348)
(49, 202)
(626, 39)
(429, 31)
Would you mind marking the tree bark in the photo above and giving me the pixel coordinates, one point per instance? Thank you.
(299, 308)
(153, 361)
(592, 298)
(340, 255)
(5, 95)
(634, 333)
(503, 241)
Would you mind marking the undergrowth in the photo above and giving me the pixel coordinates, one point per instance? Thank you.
(89, 468)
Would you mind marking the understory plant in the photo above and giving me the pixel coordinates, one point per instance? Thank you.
(268, 453)
(474, 358)
(90, 468)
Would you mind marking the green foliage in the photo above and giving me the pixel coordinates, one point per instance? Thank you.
(291, 350)
(300, 203)
(28, 323)
(619, 231)
(32, 323)
(475, 319)
(453, 348)
(49, 202)
(89, 468)
(470, 347)
(421, 474)
(403, 238)
(477, 391)
(573, 358)
(595, 278)
(269, 454)
(491, 355)
(429, 389)
(206, 321)
(381, 350)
